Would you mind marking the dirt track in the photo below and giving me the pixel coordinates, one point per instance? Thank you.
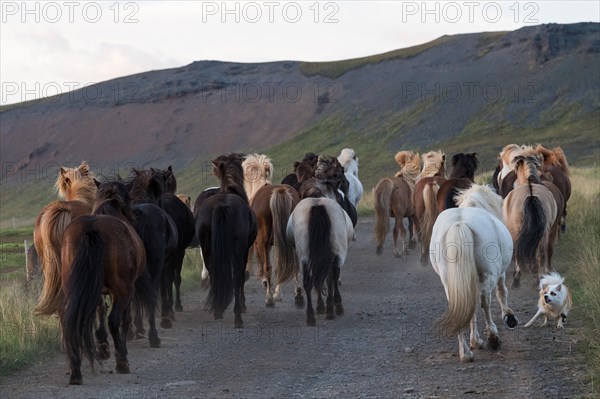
(382, 346)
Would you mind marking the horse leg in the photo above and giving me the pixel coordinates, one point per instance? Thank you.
(395, 234)
(516, 283)
(177, 280)
(308, 286)
(320, 302)
(403, 237)
(508, 316)
(74, 360)
(490, 327)
(337, 298)
(277, 296)
(118, 322)
(464, 352)
(298, 299)
(139, 324)
(475, 341)
(330, 315)
(238, 281)
(264, 261)
(204, 274)
(101, 334)
(165, 283)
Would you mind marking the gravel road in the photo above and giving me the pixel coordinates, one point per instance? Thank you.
(382, 347)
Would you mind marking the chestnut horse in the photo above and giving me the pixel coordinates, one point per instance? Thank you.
(531, 215)
(272, 205)
(76, 186)
(393, 198)
(226, 228)
(100, 254)
(425, 197)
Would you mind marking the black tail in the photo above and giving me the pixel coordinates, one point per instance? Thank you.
(145, 298)
(83, 293)
(320, 255)
(534, 224)
(220, 293)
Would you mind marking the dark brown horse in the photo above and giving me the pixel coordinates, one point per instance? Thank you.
(461, 178)
(100, 254)
(226, 228)
(310, 159)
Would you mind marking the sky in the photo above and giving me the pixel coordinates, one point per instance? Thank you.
(51, 47)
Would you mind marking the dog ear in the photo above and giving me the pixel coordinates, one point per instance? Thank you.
(559, 287)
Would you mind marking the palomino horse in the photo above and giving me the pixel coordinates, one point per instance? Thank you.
(272, 205)
(349, 161)
(531, 215)
(226, 228)
(393, 198)
(100, 254)
(471, 251)
(76, 186)
(461, 178)
(320, 230)
(429, 181)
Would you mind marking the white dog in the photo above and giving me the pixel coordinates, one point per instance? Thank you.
(555, 299)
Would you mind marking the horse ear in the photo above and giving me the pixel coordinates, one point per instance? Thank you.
(84, 168)
(62, 171)
(455, 158)
(170, 169)
(97, 183)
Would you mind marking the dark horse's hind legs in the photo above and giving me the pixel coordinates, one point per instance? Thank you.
(320, 303)
(308, 286)
(101, 334)
(177, 281)
(166, 304)
(238, 281)
(118, 323)
(337, 297)
(330, 315)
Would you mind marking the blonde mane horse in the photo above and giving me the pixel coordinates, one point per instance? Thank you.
(554, 157)
(393, 198)
(471, 250)
(76, 186)
(531, 215)
(258, 172)
(425, 192)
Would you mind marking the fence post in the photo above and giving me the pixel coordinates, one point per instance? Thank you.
(32, 262)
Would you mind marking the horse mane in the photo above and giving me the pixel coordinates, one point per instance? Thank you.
(228, 169)
(315, 188)
(169, 178)
(146, 186)
(482, 197)
(410, 166)
(527, 168)
(349, 161)
(433, 164)
(464, 165)
(258, 172)
(554, 157)
(303, 170)
(113, 199)
(506, 154)
(311, 158)
(76, 184)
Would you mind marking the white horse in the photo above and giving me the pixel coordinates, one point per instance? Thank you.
(349, 161)
(320, 230)
(471, 250)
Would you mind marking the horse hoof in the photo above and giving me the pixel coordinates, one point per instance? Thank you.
(330, 315)
(511, 321)
(478, 344)
(122, 368)
(412, 245)
(311, 321)
(270, 303)
(299, 300)
(424, 262)
(103, 352)
(516, 283)
(178, 308)
(339, 310)
(154, 342)
(379, 250)
(239, 324)
(75, 380)
(320, 309)
(166, 323)
(397, 255)
(494, 342)
(218, 316)
(277, 297)
(563, 228)
(467, 358)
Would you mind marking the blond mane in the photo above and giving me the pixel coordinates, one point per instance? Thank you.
(433, 164)
(76, 184)
(410, 166)
(554, 157)
(483, 197)
(258, 172)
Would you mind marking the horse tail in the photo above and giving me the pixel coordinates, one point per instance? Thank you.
(383, 197)
(83, 295)
(220, 293)
(532, 231)
(428, 218)
(461, 281)
(286, 263)
(320, 254)
(49, 228)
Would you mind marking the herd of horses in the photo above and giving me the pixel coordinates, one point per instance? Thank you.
(126, 238)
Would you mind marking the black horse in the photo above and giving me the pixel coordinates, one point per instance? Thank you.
(226, 228)
(462, 177)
